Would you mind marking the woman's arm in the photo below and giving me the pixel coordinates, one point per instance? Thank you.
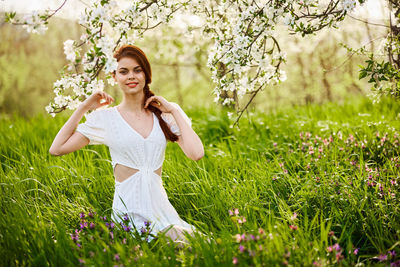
(189, 141)
(67, 139)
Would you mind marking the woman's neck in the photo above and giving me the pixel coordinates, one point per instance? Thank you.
(133, 103)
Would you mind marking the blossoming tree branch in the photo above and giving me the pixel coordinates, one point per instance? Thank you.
(244, 59)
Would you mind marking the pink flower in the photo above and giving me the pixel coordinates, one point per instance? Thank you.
(230, 213)
(293, 227)
(235, 260)
(236, 211)
(355, 252)
(242, 220)
(238, 238)
(241, 248)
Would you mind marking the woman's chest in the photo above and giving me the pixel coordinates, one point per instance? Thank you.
(123, 137)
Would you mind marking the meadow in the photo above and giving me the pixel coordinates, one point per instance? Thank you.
(312, 185)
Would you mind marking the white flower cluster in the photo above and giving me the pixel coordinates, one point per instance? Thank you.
(81, 88)
(34, 23)
(244, 57)
(349, 5)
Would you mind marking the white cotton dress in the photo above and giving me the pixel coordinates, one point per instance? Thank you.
(142, 195)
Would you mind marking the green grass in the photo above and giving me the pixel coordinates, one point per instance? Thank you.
(307, 179)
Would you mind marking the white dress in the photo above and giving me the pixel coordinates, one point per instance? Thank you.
(142, 195)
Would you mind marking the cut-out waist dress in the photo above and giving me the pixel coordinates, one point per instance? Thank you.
(142, 195)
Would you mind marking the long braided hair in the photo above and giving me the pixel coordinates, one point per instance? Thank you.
(137, 54)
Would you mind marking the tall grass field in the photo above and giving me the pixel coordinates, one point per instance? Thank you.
(301, 186)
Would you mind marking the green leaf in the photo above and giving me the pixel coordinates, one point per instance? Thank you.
(363, 74)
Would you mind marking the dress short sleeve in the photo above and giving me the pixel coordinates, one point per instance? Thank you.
(170, 120)
(93, 128)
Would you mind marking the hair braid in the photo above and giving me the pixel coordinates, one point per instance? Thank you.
(164, 126)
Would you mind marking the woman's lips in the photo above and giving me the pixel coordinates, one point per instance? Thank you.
(132, 85)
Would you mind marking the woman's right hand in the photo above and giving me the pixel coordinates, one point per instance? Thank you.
(97, 100)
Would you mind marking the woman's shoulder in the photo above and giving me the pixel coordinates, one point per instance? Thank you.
(100, 113)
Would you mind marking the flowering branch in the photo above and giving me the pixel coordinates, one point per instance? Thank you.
(245, 56)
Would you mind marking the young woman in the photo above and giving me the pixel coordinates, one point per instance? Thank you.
(136, 132)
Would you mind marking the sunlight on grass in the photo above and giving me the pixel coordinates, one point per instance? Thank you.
(301, 186)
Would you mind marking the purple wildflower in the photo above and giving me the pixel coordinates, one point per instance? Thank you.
(243, 237)
(382, 257)
(112, 235)
(127, 228)
(112, 225)
(241, 248)
(336, 247)
(143, 230)
(82, 215)
(116, 257)
(81, 261)
(84, 225)
(355, 252)
(92, 225)
(90, 214)
(74, 237)
(147, 223)
(104, 218)
(395, 264)
(126, 217)
(392, 253)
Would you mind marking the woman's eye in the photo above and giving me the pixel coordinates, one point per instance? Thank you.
(138, 70)
(122, 72)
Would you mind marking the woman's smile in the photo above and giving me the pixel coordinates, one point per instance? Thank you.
(132, 84)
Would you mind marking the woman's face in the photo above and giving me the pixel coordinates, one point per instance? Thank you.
(130, 76)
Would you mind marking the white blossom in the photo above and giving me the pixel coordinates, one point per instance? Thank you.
(111, 65)
(349, 5)
(69, 50)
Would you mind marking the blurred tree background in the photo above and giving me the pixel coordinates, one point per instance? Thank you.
(319, 68)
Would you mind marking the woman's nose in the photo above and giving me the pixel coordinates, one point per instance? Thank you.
(131, 76)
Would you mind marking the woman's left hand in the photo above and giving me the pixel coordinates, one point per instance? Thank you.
(159, 102)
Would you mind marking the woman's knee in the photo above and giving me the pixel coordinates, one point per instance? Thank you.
(176, 232)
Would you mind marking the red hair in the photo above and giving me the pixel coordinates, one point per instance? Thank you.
(137, 54)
